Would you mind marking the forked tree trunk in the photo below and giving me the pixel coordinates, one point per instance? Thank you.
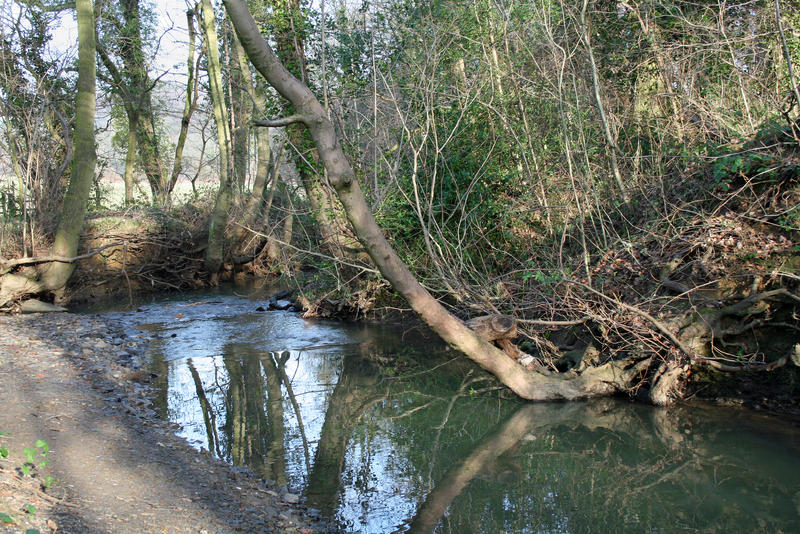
(140, 91)
(134, 88)
(602, 380)
(267, 165)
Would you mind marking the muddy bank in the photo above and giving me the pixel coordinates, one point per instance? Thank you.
(74, 382)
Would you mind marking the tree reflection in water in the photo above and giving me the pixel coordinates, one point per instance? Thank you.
(381, 446)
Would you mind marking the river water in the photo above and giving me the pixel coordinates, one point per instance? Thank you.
(384, 430)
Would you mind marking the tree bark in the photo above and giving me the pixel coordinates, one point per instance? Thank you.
(241, 108)
(134, 87)
(254, 204)
(327, 212)
(130, 158)
(222, 205)
(139, 91)
(602, 380)
(55, 275)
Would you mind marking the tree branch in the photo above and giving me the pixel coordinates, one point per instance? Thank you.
(793, 354)
(7, 265)
(310, 252)
(49, 8)
(283, 121)
(116, 76)
(538, 322)
(692, 355)
(67, 141)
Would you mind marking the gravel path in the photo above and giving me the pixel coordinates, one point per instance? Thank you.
(72, 381)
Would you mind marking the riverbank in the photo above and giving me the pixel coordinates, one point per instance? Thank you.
(74, 383)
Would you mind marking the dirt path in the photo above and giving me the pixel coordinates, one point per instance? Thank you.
(70, 380)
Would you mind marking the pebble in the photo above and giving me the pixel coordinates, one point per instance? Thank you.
(291, 498)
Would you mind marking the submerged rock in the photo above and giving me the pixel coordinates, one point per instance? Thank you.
(280, 305)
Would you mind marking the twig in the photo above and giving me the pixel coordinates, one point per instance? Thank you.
(554, 323)
(750, 366)
(43, 495)
(641, 313)
(310, 252)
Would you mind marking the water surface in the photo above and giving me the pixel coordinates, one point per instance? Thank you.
(383, 430)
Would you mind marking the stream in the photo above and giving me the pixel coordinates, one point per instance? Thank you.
(385, 430)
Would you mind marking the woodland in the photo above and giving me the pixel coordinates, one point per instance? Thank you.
(585, 198)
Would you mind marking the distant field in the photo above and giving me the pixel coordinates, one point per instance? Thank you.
(113, 190)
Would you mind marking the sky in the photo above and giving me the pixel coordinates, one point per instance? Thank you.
(172, 31)
(169, 64)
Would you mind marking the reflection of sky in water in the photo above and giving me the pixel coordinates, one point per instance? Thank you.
(201, 334)
(616, 469)
(376, 480)
(377, 502)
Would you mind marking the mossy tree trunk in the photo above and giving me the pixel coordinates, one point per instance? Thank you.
(266, 166)
(130, 158)
(140, 101)
(219, 217)
(132, 85)
(241, 108)
(53, 276)
(73, 212)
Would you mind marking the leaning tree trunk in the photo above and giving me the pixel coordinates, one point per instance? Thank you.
(602, 380)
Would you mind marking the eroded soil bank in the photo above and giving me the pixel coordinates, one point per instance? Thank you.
(72, 381)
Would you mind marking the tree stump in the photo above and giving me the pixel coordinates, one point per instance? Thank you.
(500, 329)
(494, 327)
